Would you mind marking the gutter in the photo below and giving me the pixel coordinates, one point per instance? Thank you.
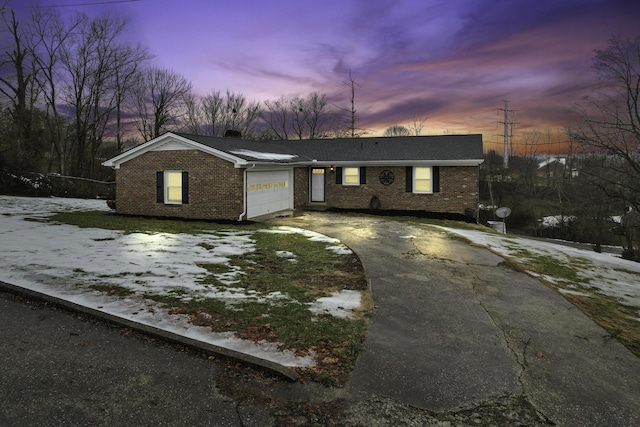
(244, 191)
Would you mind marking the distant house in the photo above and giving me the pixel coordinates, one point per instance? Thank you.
(553, 170)
(191, 176)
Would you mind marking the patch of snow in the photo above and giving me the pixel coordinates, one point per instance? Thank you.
(264, 156)
(312, 235)
(610, 274)
(290, 256)
(555, 221)
(339, 304)
(340, 249)
(572, 292)
(561, 160)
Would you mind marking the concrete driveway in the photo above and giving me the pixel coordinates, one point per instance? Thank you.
(453, 328)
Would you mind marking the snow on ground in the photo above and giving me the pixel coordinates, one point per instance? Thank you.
(65, 261)
(340, 304)
(608, 273)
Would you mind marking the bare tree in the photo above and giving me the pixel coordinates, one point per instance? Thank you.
(277, 117)
(18, 85)
(318, 114)
(216, 114)
(127, 60)
(194, 119)
(159, 96)
(396, 130)
(300, 117)
(89, 89)
(239, 114)
(609, 122)
(51, 33)
(212, 107)
(417, 125)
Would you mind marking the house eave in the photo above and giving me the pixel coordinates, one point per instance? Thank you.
(115, 162)
(458, 162)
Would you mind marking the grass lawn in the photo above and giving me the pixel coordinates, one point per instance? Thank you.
(284, 275)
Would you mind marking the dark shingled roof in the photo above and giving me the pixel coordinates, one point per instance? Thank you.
(235, 146)
(363, 150)
(448, 147)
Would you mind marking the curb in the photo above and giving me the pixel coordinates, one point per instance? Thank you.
(209, 349)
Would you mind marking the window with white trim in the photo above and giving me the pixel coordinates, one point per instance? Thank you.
(173, 187)
(351, 176)
(422, 180)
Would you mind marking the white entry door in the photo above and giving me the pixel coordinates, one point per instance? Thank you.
(268, 192)
(317, 184)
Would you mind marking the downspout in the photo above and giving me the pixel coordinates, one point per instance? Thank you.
(244, 191)
(477, 213)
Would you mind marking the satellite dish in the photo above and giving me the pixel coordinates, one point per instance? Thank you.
(503, 212)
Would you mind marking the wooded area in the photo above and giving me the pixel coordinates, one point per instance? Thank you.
(75, 93)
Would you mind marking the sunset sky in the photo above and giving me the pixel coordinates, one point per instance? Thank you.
(451, 61)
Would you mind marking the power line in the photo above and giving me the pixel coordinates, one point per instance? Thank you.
(78, 4)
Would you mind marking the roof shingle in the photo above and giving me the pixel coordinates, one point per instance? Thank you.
(394, 149)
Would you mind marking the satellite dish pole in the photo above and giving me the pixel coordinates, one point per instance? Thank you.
(503, 213)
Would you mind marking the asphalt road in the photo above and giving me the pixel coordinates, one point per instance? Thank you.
(58, 370)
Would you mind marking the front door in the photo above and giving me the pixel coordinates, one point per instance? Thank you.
(317, 184)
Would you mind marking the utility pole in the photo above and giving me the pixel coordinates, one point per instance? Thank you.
(352, 83)
(506, 133)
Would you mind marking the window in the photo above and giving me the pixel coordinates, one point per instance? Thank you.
(422, 180)
(172, 187)
(173, 184)
(351, 176)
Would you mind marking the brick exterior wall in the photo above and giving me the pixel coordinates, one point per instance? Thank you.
(301, 187)
(215, 186)
(458, 191)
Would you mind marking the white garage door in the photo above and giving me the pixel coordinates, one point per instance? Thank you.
(268, 192)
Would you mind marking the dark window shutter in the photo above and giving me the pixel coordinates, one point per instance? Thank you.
(435, 174)
(338, 175)
(185, 188)
(363, 175)
(409, 178)
(160, 187)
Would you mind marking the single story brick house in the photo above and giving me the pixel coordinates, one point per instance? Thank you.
(201, 177)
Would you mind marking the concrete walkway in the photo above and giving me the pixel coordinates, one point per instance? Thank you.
(453, 328)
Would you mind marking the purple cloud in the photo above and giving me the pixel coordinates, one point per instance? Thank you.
(453, 62)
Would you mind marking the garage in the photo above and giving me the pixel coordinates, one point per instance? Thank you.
(268, 192)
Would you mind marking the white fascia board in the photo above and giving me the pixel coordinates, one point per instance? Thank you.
(258, 164)
(157, 142)
(414, 162)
